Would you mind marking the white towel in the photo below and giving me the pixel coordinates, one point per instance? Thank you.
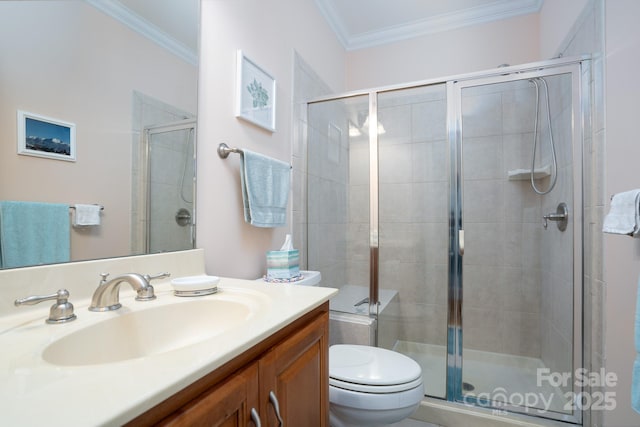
(86, 215)
(624, 216)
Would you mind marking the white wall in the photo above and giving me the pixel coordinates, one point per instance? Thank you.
(481, 47)
(557, 17)
(622, 254)
(268, 33)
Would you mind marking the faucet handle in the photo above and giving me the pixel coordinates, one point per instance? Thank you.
(61, 311)
(103, 277)
(150, 277)
(147, 293)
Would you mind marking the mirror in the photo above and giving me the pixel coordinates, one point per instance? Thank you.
(124, 74)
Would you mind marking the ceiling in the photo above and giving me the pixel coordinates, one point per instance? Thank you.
(358, 24)
(366, 23)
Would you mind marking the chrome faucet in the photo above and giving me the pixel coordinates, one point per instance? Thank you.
(107, 296)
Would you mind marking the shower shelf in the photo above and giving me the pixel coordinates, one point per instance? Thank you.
(524, 174)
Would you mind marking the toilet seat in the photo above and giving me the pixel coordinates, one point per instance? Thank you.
(372, 370)
(364, 388)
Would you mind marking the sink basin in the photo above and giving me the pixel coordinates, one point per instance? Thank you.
(150, 331)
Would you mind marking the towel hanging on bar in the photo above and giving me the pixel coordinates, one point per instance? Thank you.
(265, 189)
(624, 215)
(33, 233)
(86, 215)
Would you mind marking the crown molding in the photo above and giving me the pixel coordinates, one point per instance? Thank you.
(118, 11)
(335, 22)
(500, 9)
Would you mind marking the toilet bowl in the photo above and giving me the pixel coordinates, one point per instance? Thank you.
(371, 386)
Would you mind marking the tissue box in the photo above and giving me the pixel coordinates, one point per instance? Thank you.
(283, 264)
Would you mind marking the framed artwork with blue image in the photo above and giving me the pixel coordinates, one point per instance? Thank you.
(255, 94)
(43, 136)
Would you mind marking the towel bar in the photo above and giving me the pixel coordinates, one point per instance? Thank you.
(101, 207)
(224, 150)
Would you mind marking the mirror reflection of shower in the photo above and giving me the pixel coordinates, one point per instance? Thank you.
(170, 189)
(536, 135)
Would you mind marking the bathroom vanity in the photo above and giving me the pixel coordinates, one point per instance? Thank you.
(284, 376)
(250, 350)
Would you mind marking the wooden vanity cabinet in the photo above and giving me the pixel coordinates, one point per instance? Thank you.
(291, 365)
(297, 373)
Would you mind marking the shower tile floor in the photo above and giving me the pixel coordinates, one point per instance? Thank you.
(493, 373)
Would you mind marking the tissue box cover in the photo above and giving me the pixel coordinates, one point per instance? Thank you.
(283, 264)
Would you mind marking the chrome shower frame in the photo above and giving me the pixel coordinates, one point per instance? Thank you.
(454, 84)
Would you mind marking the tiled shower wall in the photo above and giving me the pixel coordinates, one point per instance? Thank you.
(413, 206)
(307, 85)
(556, 249)
(502, 221)
(587, 38)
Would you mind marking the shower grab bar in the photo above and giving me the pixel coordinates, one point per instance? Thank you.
(224, 150)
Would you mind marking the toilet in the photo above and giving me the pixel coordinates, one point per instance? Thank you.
(371, 386)
(368, 386)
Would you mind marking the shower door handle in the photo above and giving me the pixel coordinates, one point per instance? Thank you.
(461, 242)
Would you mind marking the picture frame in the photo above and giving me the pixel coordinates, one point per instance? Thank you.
(255, 94)
(42, 136)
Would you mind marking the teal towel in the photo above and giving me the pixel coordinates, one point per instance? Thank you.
(635, 384)
(33, 233)
(265, 189)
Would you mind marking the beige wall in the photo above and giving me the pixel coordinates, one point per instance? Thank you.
(268, 33)
(622, 254)
(481, 47)
(556, 18)
(92, 66)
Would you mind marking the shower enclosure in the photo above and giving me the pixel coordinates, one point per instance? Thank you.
(455, 206)
(170, 186)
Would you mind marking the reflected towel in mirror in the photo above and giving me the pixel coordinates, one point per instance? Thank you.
(86, 215)
(33, 233)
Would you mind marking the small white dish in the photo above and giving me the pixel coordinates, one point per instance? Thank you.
(192, 286)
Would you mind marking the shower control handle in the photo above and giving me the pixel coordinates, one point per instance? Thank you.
(561, 217)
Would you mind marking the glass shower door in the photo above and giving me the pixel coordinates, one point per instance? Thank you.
(338, 201)
(519, 171)
(413, 181)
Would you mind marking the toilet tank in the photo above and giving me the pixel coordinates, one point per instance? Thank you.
(309, 278)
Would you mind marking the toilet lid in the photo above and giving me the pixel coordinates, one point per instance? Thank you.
(358, 364)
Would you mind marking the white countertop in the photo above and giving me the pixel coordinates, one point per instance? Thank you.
(34, 392)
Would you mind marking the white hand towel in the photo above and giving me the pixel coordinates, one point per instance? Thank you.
(86, 215)
(624, 215)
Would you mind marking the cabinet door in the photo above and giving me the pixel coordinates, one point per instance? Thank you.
(296, 373)
(226, 405)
